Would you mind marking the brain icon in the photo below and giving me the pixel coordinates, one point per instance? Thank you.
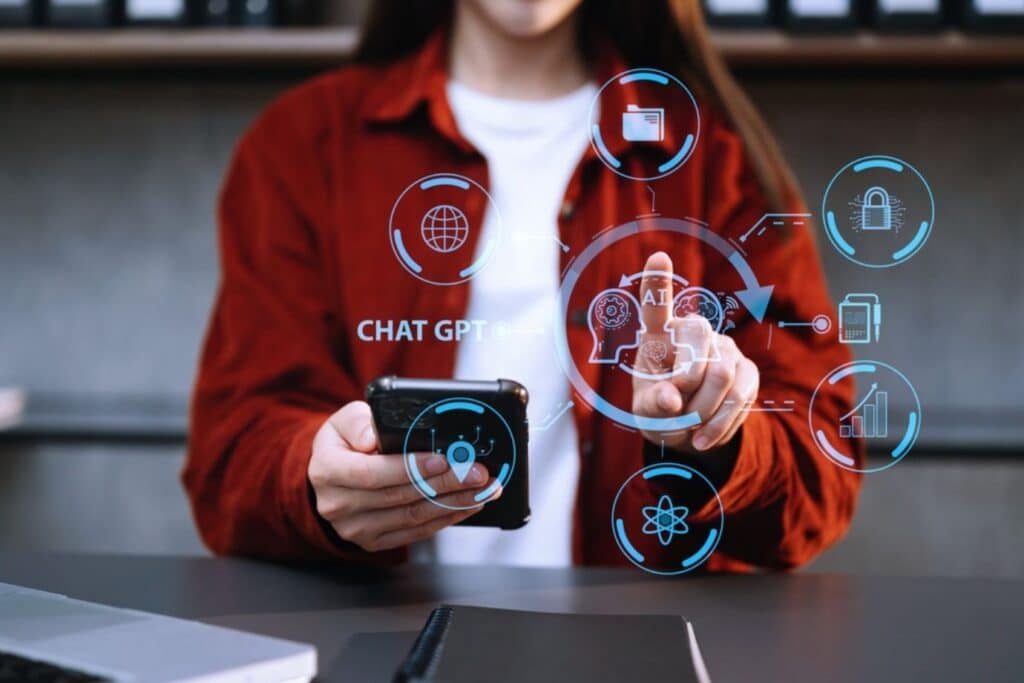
(656, 351)
(612, 311)
(701, 301)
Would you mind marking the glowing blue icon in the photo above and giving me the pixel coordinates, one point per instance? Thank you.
(889, 413)
(665, 520)
(867, 420)
(436, 246)
(820, 324)
(860, 318)
(460, 457)
(876, 211)
(676, 120)
(640, 124)
(444, 228)
(431, 430)
(461, 454)
(657, 537)
(890, 216)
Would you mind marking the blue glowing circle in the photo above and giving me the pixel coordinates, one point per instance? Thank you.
(920, 235)
(658, 77)
(910, 432)
(442, 230)
(665, 519)
(459, 450)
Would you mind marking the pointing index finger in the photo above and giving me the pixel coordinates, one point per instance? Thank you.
(656, 293)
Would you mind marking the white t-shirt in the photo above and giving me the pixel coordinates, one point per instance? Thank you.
(532, 148)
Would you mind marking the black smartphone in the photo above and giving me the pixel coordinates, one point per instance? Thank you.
(464, 422)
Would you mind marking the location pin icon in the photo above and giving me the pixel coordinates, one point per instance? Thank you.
(461, 455)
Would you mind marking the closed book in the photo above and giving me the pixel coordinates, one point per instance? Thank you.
(907, 14)
(18, 13)
(80, 13)
(463, 644)
(164, 12)
(820, 15)
(738, 13)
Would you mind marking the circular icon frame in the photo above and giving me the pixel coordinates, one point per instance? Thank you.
(754, 296)
(441, 407)
(910, 434)
(401, 250)
(885, 163)
(628, 548)
(647, 75)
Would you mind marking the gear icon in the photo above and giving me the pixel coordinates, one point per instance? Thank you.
(612, 311)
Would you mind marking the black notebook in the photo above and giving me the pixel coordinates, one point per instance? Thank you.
(508, 646)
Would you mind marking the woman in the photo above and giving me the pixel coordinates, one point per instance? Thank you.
(283, 460)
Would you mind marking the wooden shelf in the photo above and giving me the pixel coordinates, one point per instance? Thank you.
(774, 49)
(316, 47)
(133, 48)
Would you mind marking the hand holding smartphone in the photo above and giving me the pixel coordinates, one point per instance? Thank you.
(466, 423)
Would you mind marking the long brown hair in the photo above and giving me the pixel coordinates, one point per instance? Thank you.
(666, 34)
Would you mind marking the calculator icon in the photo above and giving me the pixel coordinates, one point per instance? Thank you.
(860, 318)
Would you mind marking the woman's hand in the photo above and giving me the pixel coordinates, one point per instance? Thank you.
(367, 496)
(714, 378)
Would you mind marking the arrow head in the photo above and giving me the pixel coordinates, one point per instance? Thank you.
(624, 281)
(756, 300)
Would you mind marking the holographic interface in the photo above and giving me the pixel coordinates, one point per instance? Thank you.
(860, 318)
(886, 413)
(667, 518)
(615, 322)
(432, 233)
(660, 114)
(440, 428)
(878, 211)
(622, 340)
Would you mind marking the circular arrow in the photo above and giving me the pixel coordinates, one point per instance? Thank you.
(754, 296)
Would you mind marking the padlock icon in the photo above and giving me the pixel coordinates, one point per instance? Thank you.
(876, 212)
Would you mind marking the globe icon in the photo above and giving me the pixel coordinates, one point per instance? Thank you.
(444, 228)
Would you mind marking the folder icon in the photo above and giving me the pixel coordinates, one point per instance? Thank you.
(643, 124)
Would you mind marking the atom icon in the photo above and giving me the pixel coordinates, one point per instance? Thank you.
(665, 520)
(612, 311)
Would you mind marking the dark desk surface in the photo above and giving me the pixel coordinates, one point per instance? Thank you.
(801, 627)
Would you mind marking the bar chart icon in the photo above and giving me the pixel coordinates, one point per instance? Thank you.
(869, 418)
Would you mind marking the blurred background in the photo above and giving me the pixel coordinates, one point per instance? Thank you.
(118, 119)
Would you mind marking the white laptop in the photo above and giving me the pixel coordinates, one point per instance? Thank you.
(55, 638)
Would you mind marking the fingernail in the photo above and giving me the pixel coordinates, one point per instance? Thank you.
(701, 442)
(435, 464)
(368, 438)
(476, 475)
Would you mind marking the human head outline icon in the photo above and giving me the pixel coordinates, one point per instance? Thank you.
(615, 324)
